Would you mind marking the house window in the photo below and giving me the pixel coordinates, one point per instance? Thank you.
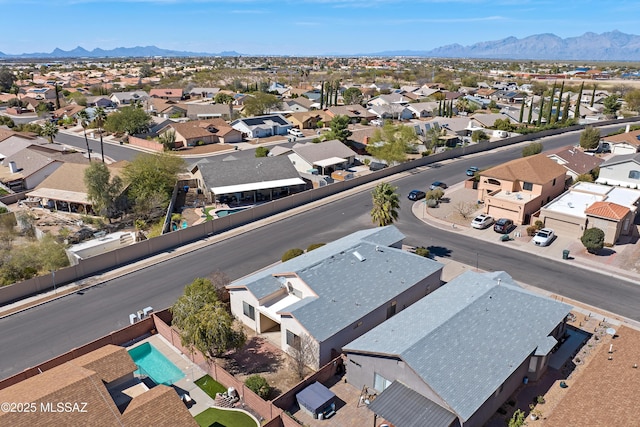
(554, 182)
(493, 181)
(293, 291)
(391, 310)
(634, 174)
(292, 339)
(249, 310)
(380, 382)
(528, 186)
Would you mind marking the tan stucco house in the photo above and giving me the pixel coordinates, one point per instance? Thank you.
(519, 188)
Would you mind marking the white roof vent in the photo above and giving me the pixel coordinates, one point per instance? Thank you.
(359, 256)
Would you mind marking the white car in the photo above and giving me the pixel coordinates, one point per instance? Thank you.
(482, 221)
(543, 237)
(296, 132)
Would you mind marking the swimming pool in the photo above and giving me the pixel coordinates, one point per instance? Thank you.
(225, 212)
(153, 363)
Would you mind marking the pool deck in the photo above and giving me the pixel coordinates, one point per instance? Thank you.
(192, 372)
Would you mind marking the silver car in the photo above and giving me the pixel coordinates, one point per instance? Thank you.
(482, 221)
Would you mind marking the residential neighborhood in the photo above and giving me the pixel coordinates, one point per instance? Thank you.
(284, 241)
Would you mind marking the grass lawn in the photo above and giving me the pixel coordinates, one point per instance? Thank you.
(210, 386)
(214, 417)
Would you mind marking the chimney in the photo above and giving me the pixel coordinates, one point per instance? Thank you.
(628, 128)
(12, 167)
(365, 141)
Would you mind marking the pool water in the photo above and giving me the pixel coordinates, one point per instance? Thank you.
(225, 212)
(153, 363)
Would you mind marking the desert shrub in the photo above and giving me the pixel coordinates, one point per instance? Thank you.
(539, 224)
(593, 240)
(291, 253)
(422, 251)
(315, 246)
(531, 230)
(258, 385)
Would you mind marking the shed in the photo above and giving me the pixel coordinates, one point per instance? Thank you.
(317, 400)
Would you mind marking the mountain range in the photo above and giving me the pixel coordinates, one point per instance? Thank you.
(609, 46)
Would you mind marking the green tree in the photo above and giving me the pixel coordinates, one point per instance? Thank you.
(204, 322)
(6, 79)
(315, 246)
(553, 94)
(540, 112)
(291, 253)
(532, 149)
(565, 112)
(262, 152)
(576, 111)
(83, 118)
(391, 143)
(590, 138)
(611, 105)
(593, 240)
(492, 105)
(100, 115)
(478, 135)
(352, 96)
(557, 113)
(145, 71)
(518, 419)
(338, 129)
(522, 110)
(50, 130)
(593, 96)
(43, 108)
(584, 177)
(151, 179)
(223, 98)
(260, 103)
(129, 120)
(168, 140)
(102, 190)
(258, 385)
(432, 136)
(504, 124)
(632, 98)
(386, 204)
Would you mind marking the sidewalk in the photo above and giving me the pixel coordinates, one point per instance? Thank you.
(619, 260)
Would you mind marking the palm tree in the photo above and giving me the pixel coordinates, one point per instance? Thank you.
(100, 116)
(385, 204)
(50, 130)
(83, 116)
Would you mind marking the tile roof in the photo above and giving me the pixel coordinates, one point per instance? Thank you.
(71, 382)
(485, 315)
(219, 173)
(608, 210)
(172, 93)
(538, 169)
(622, 159)
(576, 160)
(70, 177)
(632, 138)
(27, 161)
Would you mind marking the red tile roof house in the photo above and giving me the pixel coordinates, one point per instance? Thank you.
(208, 131)
(168, 94)
(588, 205)
(93, 392)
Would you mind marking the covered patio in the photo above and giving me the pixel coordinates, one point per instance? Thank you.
(62, 200)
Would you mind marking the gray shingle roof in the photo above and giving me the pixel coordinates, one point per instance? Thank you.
(246, 171)
(451, 337)
(347, 288)
(404, 407)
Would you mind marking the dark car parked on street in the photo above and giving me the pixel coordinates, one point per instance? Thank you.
(438, 184)
(503, 226)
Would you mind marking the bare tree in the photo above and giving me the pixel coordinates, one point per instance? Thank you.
(304, 353)
(465, 209)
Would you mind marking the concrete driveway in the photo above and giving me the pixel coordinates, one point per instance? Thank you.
(622, 260)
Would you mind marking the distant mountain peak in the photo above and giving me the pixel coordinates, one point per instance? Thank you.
(119, 52)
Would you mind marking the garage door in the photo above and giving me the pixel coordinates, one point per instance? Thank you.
(563, 228)
(498, 212)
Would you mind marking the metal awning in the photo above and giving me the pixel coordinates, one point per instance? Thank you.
(404, 407)
(329, 162)
(263, 185)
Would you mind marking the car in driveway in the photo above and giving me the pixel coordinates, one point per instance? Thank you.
(438, 184)
(543, 237)
(482, 221)
(416, 195)
(503, 226)
(472, 171)
(296, 132)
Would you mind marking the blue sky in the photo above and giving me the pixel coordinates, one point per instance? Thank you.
(298, 27)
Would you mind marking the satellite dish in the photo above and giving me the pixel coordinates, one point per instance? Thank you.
(611, 331)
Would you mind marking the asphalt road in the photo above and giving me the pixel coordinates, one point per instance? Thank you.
(38, 334)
